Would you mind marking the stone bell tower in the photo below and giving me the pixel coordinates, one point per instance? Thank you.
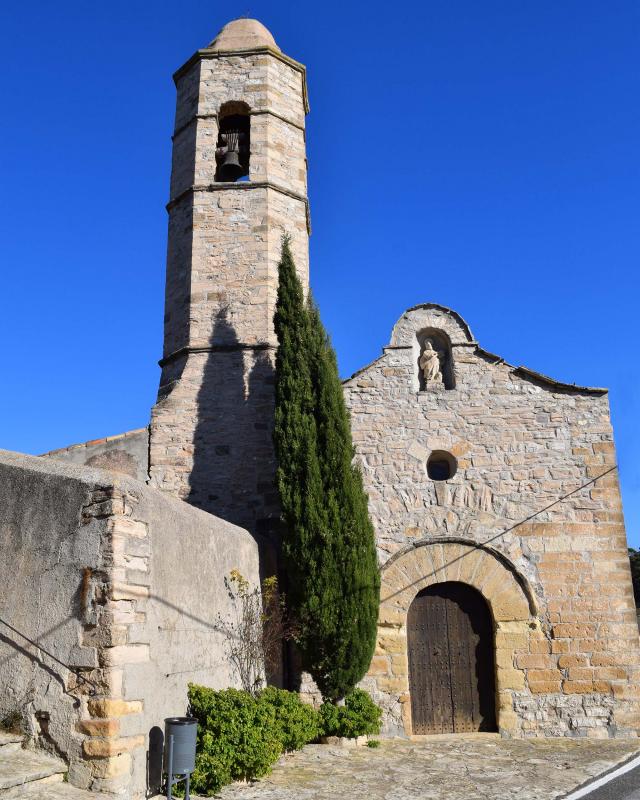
(238, 183)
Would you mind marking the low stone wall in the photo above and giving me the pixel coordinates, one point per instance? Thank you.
(122, 583)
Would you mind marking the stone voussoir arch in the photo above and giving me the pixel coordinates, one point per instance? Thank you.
(506, 591)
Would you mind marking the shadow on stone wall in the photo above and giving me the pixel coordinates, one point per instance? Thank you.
(233, 461)
(233, 474)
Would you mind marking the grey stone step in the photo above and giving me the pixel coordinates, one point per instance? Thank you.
(10, 738)
(18, 767)
(10, 741)
(42, 790)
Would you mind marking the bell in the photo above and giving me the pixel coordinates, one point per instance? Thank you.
(231, 168)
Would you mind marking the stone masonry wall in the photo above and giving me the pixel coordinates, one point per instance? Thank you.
(126, 453)
(521, 442)
(126, 586)
(211, 427)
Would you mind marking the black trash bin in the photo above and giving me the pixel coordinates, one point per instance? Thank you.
(179, 750)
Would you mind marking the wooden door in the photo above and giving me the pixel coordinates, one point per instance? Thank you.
(451, 672)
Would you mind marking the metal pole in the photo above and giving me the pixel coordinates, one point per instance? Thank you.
(187, 795)
(170, 777)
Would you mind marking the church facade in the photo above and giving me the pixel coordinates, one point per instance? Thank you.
(506, 599)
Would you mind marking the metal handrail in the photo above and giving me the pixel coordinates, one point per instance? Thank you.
(74, 670)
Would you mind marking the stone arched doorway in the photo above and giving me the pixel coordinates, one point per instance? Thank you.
(516, 630)
(451, 660)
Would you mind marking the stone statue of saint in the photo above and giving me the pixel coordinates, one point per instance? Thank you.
(431, 363)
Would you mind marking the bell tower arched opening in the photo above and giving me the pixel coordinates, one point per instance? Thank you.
(233, 149)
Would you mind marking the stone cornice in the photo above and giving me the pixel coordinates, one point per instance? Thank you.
(214, 348)
(545, 380)
(495, 360)
(273, 113)
(244, 186)
(253, 113)
(207, 54)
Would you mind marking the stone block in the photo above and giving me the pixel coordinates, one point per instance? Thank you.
(125, 654)
(509, 604)
(540, 675)
(539, 646)
(505, 658)
(112, 767)
(393, 685)
(577, 687)
(391, 616)
(627, 719)
(113, 707)
(99, 727)
(510, 679)
(86, 657)
(107, 748)
(379, 666)
(544, 687)
(128, 591)
(129, 527)
(580, 674)
(536, 661)
(399, 664)
(508, 721)
(571, 631)
(567, 661)
(391, 642)
(511, 641)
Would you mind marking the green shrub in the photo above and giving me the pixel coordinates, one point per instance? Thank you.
(330, 719)
(237, 737)
(359, 716)
(240, 736)
(373, 743)
(296, 723)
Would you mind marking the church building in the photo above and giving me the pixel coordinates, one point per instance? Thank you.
(506, 597)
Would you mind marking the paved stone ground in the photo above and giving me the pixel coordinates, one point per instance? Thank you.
(476, 767)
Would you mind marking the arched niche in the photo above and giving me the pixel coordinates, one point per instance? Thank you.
(441, 343)
(233, 148)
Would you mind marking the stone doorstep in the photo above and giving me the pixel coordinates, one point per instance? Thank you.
(344, 741)
(455, 737)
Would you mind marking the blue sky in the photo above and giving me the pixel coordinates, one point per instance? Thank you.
(482, 155)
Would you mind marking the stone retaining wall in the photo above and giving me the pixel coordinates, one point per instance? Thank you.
(122, 583)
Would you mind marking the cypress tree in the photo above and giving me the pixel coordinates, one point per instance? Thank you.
(355, 576)
(328, 544)
(298, 473)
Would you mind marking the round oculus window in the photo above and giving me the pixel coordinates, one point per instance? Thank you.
(441, 465)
